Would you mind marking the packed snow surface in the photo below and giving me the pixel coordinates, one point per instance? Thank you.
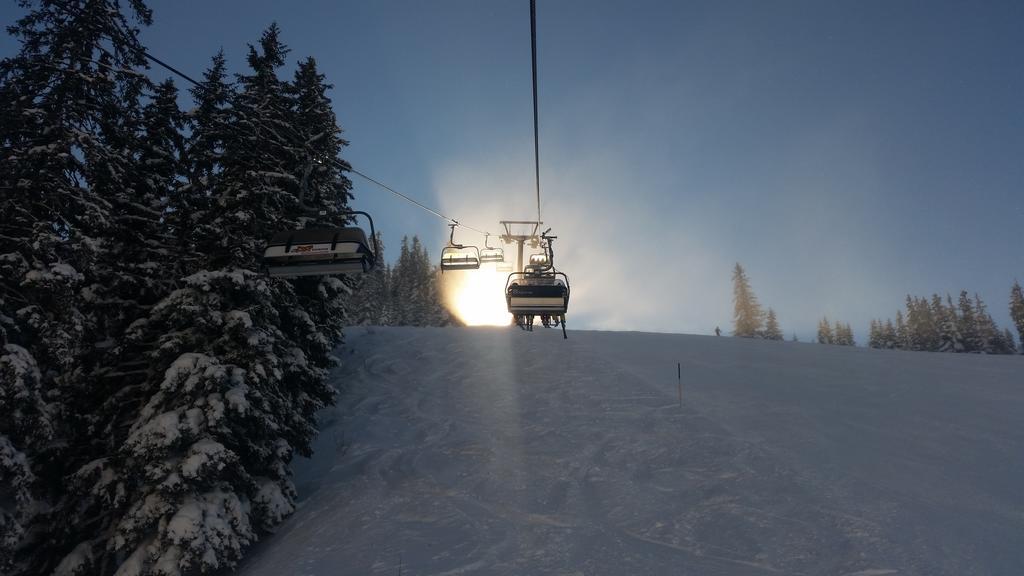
(495, 451)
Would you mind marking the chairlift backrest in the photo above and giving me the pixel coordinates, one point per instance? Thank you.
(460, 258)
(320, 251)
(492, 255)
(546, 294)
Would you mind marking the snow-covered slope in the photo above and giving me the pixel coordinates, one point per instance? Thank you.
(493, 451)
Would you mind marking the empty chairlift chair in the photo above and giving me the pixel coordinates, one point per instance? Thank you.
(488, 254)
(458, 257)
(320, 251)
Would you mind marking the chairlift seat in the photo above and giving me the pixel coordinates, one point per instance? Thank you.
(537, 295)
(456, 258)
(318, 252)
(492, 255)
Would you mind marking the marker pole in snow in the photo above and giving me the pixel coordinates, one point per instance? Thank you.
(679, 378)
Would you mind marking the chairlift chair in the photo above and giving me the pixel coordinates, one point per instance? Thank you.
(489, 254)
(321, 251)
(538, 294)
(457, 256)
(539, 290)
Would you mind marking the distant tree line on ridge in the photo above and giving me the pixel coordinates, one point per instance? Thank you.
(927, 325)
(937, 326)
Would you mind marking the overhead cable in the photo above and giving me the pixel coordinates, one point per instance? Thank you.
(536, 135)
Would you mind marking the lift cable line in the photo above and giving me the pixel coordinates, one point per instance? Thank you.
(536, 132)
(338, 163)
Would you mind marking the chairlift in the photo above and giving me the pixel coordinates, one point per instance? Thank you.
(539, 290)
(457, 256)
(530, 294)
(321, 251)
(489, 254)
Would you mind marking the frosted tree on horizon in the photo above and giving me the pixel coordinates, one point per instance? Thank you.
(772, 331)
(747, 315)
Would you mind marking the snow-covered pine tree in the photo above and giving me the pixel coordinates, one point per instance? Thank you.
(991, 337)
(890, 336)
(27, 431)
(69, 128)
(772, 331)
(210, 126)
(323, 187)
(913, 325)
(1011, 346)
(838, 336)
(403, 287)
(985, 328)
(968, 324)
(929, 336)
(875, 336)
(902, 334)
(239, 362)
(421, 307)
(825, 334)
(747, 315)
(945, 318)
(440, 314)
(1017, 310)
(369, 302)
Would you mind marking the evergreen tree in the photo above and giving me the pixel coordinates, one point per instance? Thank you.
(370, 301)
(747, 315)
(1017, 310)
(415, 289)
(876, 336)
(945, 315)
(26, 430)
(985, 328)
(889, 336)
(902, 333)
(825, 334)
(772, 331)
(1008, 342)
(838, 336)
(323, 188)
(402, 286)
(968, 324)
(210, 126)
(238, 363)
(69, 129)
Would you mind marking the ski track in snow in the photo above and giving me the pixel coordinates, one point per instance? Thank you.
(493, 451)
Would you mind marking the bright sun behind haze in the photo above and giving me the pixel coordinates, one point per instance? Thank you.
(477, 297)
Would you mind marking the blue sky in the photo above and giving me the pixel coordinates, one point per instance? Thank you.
(845, 153)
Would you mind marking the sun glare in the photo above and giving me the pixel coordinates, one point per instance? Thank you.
(477, 297)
